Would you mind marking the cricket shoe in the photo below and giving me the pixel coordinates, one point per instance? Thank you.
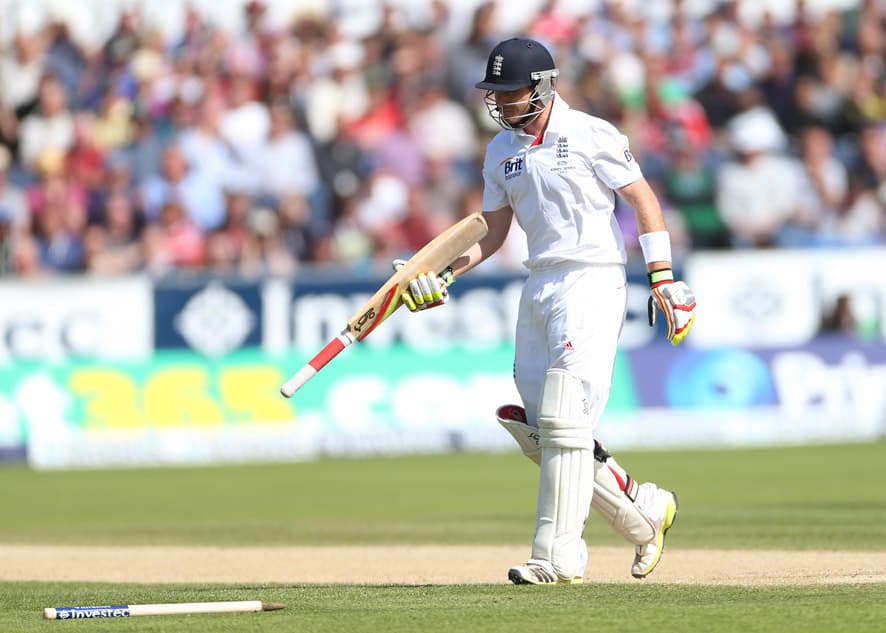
(538, 573)
(661, 509)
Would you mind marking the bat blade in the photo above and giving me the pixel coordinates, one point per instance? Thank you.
(434, 256)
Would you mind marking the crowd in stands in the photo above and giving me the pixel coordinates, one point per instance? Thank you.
(258, 151)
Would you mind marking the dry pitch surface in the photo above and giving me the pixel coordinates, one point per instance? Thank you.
(418, 565)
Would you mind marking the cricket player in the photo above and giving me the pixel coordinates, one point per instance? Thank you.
(557, 170)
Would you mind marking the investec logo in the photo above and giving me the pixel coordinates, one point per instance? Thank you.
(513, 167)
(78, 613)
(215, 320)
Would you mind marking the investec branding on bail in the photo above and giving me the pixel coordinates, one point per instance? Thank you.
(98, 612)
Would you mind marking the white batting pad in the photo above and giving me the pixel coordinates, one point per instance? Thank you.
(620, 512)
(564, 412)
(565, 490)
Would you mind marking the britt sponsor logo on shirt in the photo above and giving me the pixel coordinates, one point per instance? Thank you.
(628, 156)
(513, 167)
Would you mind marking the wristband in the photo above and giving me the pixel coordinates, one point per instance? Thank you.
(447, 276)
(656, 246)
(658, 277)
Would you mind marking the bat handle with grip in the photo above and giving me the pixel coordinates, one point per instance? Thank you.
(303, 375)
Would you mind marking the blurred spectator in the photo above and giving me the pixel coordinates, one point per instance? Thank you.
(442, 127)
(345, 139)
(300, 235)
(238, 209)
(54, 186)
(719, 97)
(13, 203)
(14, 215)
(222, 255)
(380, 210)
(417, 227)
(779, 84)
(85, 164)
(21, 71)
(125, 39)
(342, 166)
(50, 128)
(286, 163)
(340, 96)
(8, 129)
(758, 192)
(174, 241)
(380, 119)
(60, 235)
(860, 221)
(112, 128)
(245, 123)
(114, 246)
(203, 144)
(194, 36)
(871, 161)
(144, 155)
(856, 315)
(347, 243)
(839, 319)
(824, 178)
(265, 252)
(467, 60)
(197, 190)
(690, 185)
(25, 257)
(247, 56)
(64, 58)
(401, 154)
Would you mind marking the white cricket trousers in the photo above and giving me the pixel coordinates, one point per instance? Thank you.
(570, 317)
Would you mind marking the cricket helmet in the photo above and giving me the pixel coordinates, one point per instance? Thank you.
(519, 63)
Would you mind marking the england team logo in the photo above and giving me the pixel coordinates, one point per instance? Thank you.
(496, 65)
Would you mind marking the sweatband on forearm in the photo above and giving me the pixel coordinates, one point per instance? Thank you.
(656, 246)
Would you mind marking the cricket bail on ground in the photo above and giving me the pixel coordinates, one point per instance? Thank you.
(175, 608)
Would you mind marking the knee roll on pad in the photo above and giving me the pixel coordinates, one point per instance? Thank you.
(565, 417)
(513, 418)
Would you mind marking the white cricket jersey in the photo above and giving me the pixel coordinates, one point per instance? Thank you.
(561, 189)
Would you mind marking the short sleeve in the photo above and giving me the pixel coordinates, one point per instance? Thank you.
(494, 195)
(613, 162)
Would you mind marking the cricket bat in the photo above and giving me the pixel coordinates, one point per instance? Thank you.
(435, 256)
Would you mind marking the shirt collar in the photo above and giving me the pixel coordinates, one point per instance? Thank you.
(555, 121)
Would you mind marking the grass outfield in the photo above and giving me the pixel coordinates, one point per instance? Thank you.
(826, 497)
(471, 609)
(823, 497)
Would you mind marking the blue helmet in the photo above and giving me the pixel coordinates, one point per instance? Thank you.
(519, 63)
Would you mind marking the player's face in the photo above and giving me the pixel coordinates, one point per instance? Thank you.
(513, 104)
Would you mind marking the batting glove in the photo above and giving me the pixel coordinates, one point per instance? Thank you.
(675, 300)
(427, 290)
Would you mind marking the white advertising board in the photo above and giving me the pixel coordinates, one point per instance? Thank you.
(777, 298)
(82, 317)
